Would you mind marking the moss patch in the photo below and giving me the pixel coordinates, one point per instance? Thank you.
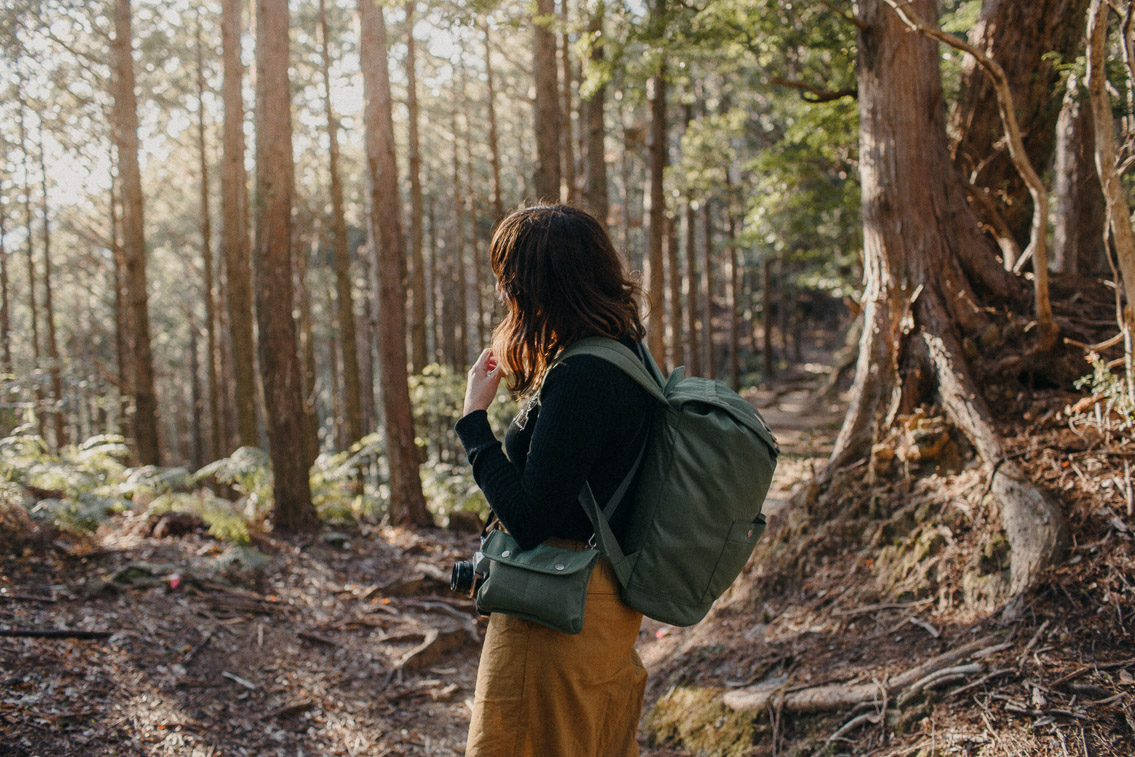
(697, 719)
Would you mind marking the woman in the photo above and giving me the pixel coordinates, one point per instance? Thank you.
(539, 691)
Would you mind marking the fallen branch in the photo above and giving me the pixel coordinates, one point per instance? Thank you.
(841, 696)
(54, 633)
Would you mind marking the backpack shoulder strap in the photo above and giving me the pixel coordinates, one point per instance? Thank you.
(622, 358)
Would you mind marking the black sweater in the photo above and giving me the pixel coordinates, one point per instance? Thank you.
(588, 426)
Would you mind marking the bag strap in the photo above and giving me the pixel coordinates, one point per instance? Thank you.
(624, 359)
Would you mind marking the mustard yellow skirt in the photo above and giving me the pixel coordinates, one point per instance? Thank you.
(542, 693)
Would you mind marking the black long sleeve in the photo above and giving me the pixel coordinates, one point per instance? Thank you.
(587, 427)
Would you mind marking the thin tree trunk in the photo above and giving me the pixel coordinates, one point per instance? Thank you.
(352, 402)
(309, 373)
(56, 369)
(1118, 211)
(479, 267)
(279, 362)
(419, 355)
(335, 389)
(692, 293)
(124, 116)
(567, 140)
(33, 306)
(675, 279)
(656, 212)
(211, 358)
(5, 306)
(766, 314)
(734, 299)
(458, 270)
(234, 230)
(710, 303)
(595, 194)
(366, 346)
(407, 505)
(545, 70)
(494, 140)
(1079, 216)
(197, 438)
(121, 320)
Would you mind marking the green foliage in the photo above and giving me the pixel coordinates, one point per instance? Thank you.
(246, 470)
(222, 517)
(1118, 396)
(339, 486)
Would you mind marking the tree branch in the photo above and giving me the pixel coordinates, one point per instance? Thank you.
(851, 18)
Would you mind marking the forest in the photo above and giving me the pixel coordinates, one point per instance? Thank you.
(244, 269)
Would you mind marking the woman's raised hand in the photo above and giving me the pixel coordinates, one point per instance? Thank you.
(484, 378)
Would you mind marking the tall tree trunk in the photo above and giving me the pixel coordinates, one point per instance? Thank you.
(234, 230)
(418, 351)
(5, 305)
(211, 357)
(656, 213)
(124, 117)
(1020, 35)
(33, 279)
(710, 302)
(122, 327)
(692, 293)
(595, 195)
(674, 278)
(334, 388)
(197, 439)
(1118, 210)
(366, 342)
(458, 270)
(56, 369)
(917, 226)
(309, 373)
(734, 276)
(407, 505)
(1079, 213)
(279, 362)
(567, 149)
(479, 267)
(494, 140)
(766, 314)
(545, 71)
(346, 303)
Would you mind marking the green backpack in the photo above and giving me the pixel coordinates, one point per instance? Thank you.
(703, 476)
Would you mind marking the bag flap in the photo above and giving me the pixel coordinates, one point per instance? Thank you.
(501, 547)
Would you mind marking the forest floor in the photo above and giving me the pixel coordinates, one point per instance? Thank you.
(878, 628)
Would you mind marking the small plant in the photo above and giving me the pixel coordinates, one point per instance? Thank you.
(1112, 389)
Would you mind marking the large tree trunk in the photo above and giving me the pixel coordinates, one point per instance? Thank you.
(279, 362)
(352, 391)
(211, 358)
(547, 178)
(234, 232)
(124, 117)
(419, 356)
(595, 166)
(1079, 213)
(1020, 35)
(656, 212)
(919, 302)
(407, 505)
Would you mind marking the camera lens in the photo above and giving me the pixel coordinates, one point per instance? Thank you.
(461, 579)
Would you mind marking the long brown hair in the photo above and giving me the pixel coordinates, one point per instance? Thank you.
(560, 280)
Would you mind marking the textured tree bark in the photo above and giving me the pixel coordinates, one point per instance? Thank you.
(121, 319)
(234, 230)
(352, 401)
(1079, 213)
(457, 266)
(407, 505)
(734, 278)
(211, 358)
(124, 117)
(595, 194)
(547, 122)
(917, 294)
(1018, 34)
(275, 297)
(656, 214)
(1106, 165)
(305, 335)
(418, 349)
(707, 266)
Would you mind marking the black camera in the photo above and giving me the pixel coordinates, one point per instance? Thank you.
(468, 575)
